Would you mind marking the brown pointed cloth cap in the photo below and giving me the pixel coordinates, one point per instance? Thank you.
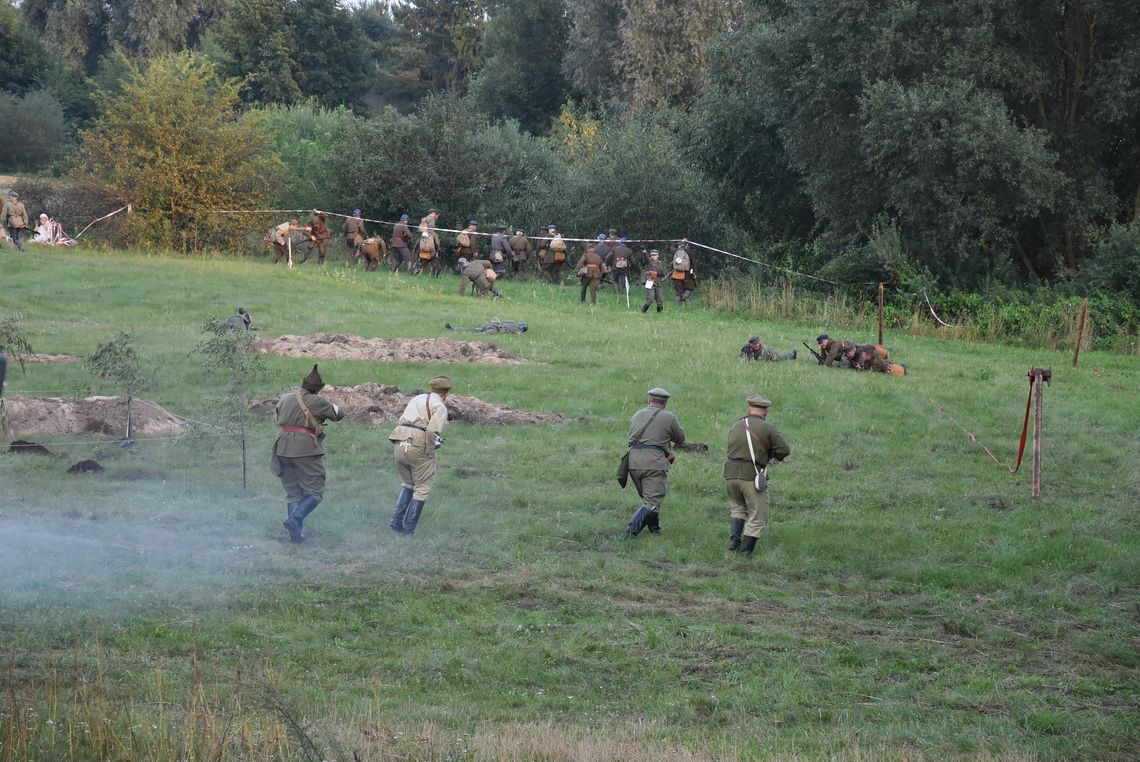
(312, 381)
(757, 400)
(440, 384)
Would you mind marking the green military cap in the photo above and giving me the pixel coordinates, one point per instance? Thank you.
(753, 339)
(312, 381)
(821, 337)
(659, 393)
(757, 400)
(440, 384)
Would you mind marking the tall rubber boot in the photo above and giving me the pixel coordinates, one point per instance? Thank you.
(645, 307)
(737, 529)
(637, 523)
(397, 522)
(289, 508)
(296, 521)
(747, 544)
(413, 517)
(653, 524)
(660, 307)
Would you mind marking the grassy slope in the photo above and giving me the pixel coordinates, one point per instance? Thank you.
(910, 598)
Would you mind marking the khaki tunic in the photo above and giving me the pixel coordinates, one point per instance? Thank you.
(413, 442)
(15, 209)
(299, 457)
(745, 501)
(520, 248)
(648, 465)
(835, 349)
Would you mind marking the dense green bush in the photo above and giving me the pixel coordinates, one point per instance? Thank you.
(306, 137)
(35, 134)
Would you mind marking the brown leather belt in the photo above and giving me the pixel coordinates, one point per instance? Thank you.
(300, 430)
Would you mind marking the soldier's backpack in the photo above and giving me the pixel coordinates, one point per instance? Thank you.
(463, 240)
(269, 237)
(427, 246)
(681, 262)
(558, 246)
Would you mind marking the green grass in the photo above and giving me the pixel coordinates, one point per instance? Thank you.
(910, 599)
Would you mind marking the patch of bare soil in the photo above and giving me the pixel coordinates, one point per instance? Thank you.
(341, 346)
(53, 416)
(46, 359)
(380, 404)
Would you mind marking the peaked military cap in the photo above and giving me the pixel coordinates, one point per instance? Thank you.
(313, 381)
(472, 222)
(821, 337)
(355, 212)
(753, 339)
(659, 393)
(440, 384)
(404, 218)
(757, 400)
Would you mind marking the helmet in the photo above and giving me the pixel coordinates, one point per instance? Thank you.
(523, 326)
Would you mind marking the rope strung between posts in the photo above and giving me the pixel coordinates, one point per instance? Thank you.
(128, 209)
(1024, 430)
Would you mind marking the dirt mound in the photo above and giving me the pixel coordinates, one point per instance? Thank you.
(52, 416)
(379, 404)
(341, 346)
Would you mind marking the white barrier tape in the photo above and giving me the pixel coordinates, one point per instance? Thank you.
(128, 208)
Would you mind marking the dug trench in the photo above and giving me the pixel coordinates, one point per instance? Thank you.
(340, 346)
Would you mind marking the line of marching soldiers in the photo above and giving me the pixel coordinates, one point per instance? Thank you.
(608, 259)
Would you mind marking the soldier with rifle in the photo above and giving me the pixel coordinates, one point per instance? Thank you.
(653, 431)
(401, 242)
(299, 451)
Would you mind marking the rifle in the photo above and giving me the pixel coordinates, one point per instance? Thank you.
(816, 355)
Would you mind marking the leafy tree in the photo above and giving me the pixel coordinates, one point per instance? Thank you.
(229, 358)
(664, 47)
(22, 55)
(396, 59)
(447, 35)
(306, 137)
(592, 63)
(77, 30)
(521, 75)
(292, 50)
(173, 143)
(118, 362)
(36, 133)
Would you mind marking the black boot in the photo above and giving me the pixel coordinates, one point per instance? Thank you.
(659, 308)
(413, 517)
(296, 521)
(737, 528)
(637, 523)
(397, 522)
(654, 522)
(289, 508)
(747, 544)
(645, 307)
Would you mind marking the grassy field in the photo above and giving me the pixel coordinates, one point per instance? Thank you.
(910, 599)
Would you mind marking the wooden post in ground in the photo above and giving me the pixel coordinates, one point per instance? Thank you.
(1039, 375)
(880, 314)
(1080, 330)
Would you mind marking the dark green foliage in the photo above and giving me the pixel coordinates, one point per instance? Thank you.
(395, 77)
(290, 50)
(521, 74)
(592, 61)
(35, 134)
(306, 138)
(1114, 267)
(447, 35)
(22, 55)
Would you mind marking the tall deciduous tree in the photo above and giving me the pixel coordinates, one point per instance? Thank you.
(449, 34)
(521, 75)
(593, 54)
(173, 143)
(291, 50)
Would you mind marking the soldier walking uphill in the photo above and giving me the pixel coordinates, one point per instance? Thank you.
(520, 252)
(620, 261)
(414, 441)
(752, 444)
(589, 269)
(15, 217)
(299, 450)
(429, 249)
(754, 350)
(552, 255)
(652, 433)
(654, 277)
(354, 233)
(500, 254)
(476, 271)
(401, 241)
(684, 275)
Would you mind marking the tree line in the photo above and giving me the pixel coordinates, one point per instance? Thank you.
(951, 146)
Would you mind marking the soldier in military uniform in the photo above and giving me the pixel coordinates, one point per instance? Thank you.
(318, 237)
(280, 238)
(401, 242)
(752, 444)
(414, 441)
(552, 255)
(429, 253)
(475, 271)
(520, 252)
(492, 326)
(832, 351)
(684, 275)
(652, 433)
(500, 251)
(354, 232)
(654, 278)
(242, 321)
(299, 450)
(620, 262)
(589, 270)
(754, 350)
(467, 242)
(15, 217)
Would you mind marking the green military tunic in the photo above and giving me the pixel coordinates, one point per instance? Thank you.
(475, 271)
(589, 268)
(649, 463)
(413, 442)
(746, 501)
(299, 456)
